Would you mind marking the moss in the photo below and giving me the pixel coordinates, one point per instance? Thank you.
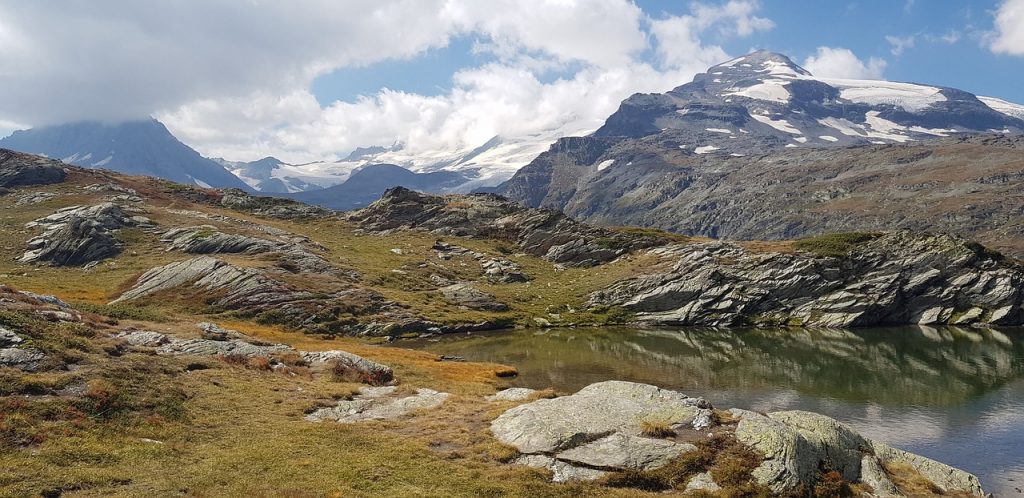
(834, 245)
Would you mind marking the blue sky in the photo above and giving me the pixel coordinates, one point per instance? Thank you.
(800, 27)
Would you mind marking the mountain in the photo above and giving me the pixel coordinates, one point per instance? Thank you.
(133, 147)
(368, 183)
(765, 100)
(480, 166)
(274, 176)
(758, 148)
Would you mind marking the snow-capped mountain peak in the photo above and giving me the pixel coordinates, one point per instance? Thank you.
(764, 99)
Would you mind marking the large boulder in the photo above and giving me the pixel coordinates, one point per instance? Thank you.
(797, 445)
(553, 425)
(948, 479)
(598, 429)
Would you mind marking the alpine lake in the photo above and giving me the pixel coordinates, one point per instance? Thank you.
(952, 394)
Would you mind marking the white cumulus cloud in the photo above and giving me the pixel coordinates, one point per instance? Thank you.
(838, 62)
(1008, 37)
(233, 78)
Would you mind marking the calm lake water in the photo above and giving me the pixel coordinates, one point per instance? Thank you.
(952, 394)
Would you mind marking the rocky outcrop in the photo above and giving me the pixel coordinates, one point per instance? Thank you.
(19, 170)
(13, 355)
(235, 287)
(262, 293)
(272, 207)
(369, 371)
(378, 403)
(217, 341)
(206, 239)
(597, 430)
(896, 278)
(79, 235)
(496, 269)
(543, 233)
(467, 296)
(290, 249)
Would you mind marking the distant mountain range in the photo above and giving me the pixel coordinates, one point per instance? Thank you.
(759, 148)
(133, 147)
(366, 185)
(736, 112)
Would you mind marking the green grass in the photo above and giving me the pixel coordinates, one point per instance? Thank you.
(835, 245)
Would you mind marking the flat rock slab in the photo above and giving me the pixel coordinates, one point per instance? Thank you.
(512, 394)
(552, 425)
(622, 451)
(377, 404)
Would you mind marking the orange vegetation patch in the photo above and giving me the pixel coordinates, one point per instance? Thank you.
(419, 368)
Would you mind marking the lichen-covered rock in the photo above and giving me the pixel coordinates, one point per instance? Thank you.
(836, 446)
(597, 430)
(947, 478)
(467, 296)
(143, 338)
(872, 474)
(377, 405)
(895, 278)
(553, 425)
(789, 459)
(232, 347)
(623, 451)
(796, 445)
(561, 471)
(369, 371)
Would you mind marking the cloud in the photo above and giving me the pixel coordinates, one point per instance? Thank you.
(679, 37)
(233, 77)
(899, 44)
(1008, 37)
(837, 62)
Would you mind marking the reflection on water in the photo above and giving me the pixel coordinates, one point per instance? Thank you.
(953, 394)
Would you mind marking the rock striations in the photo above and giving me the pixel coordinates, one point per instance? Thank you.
(897, 278)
